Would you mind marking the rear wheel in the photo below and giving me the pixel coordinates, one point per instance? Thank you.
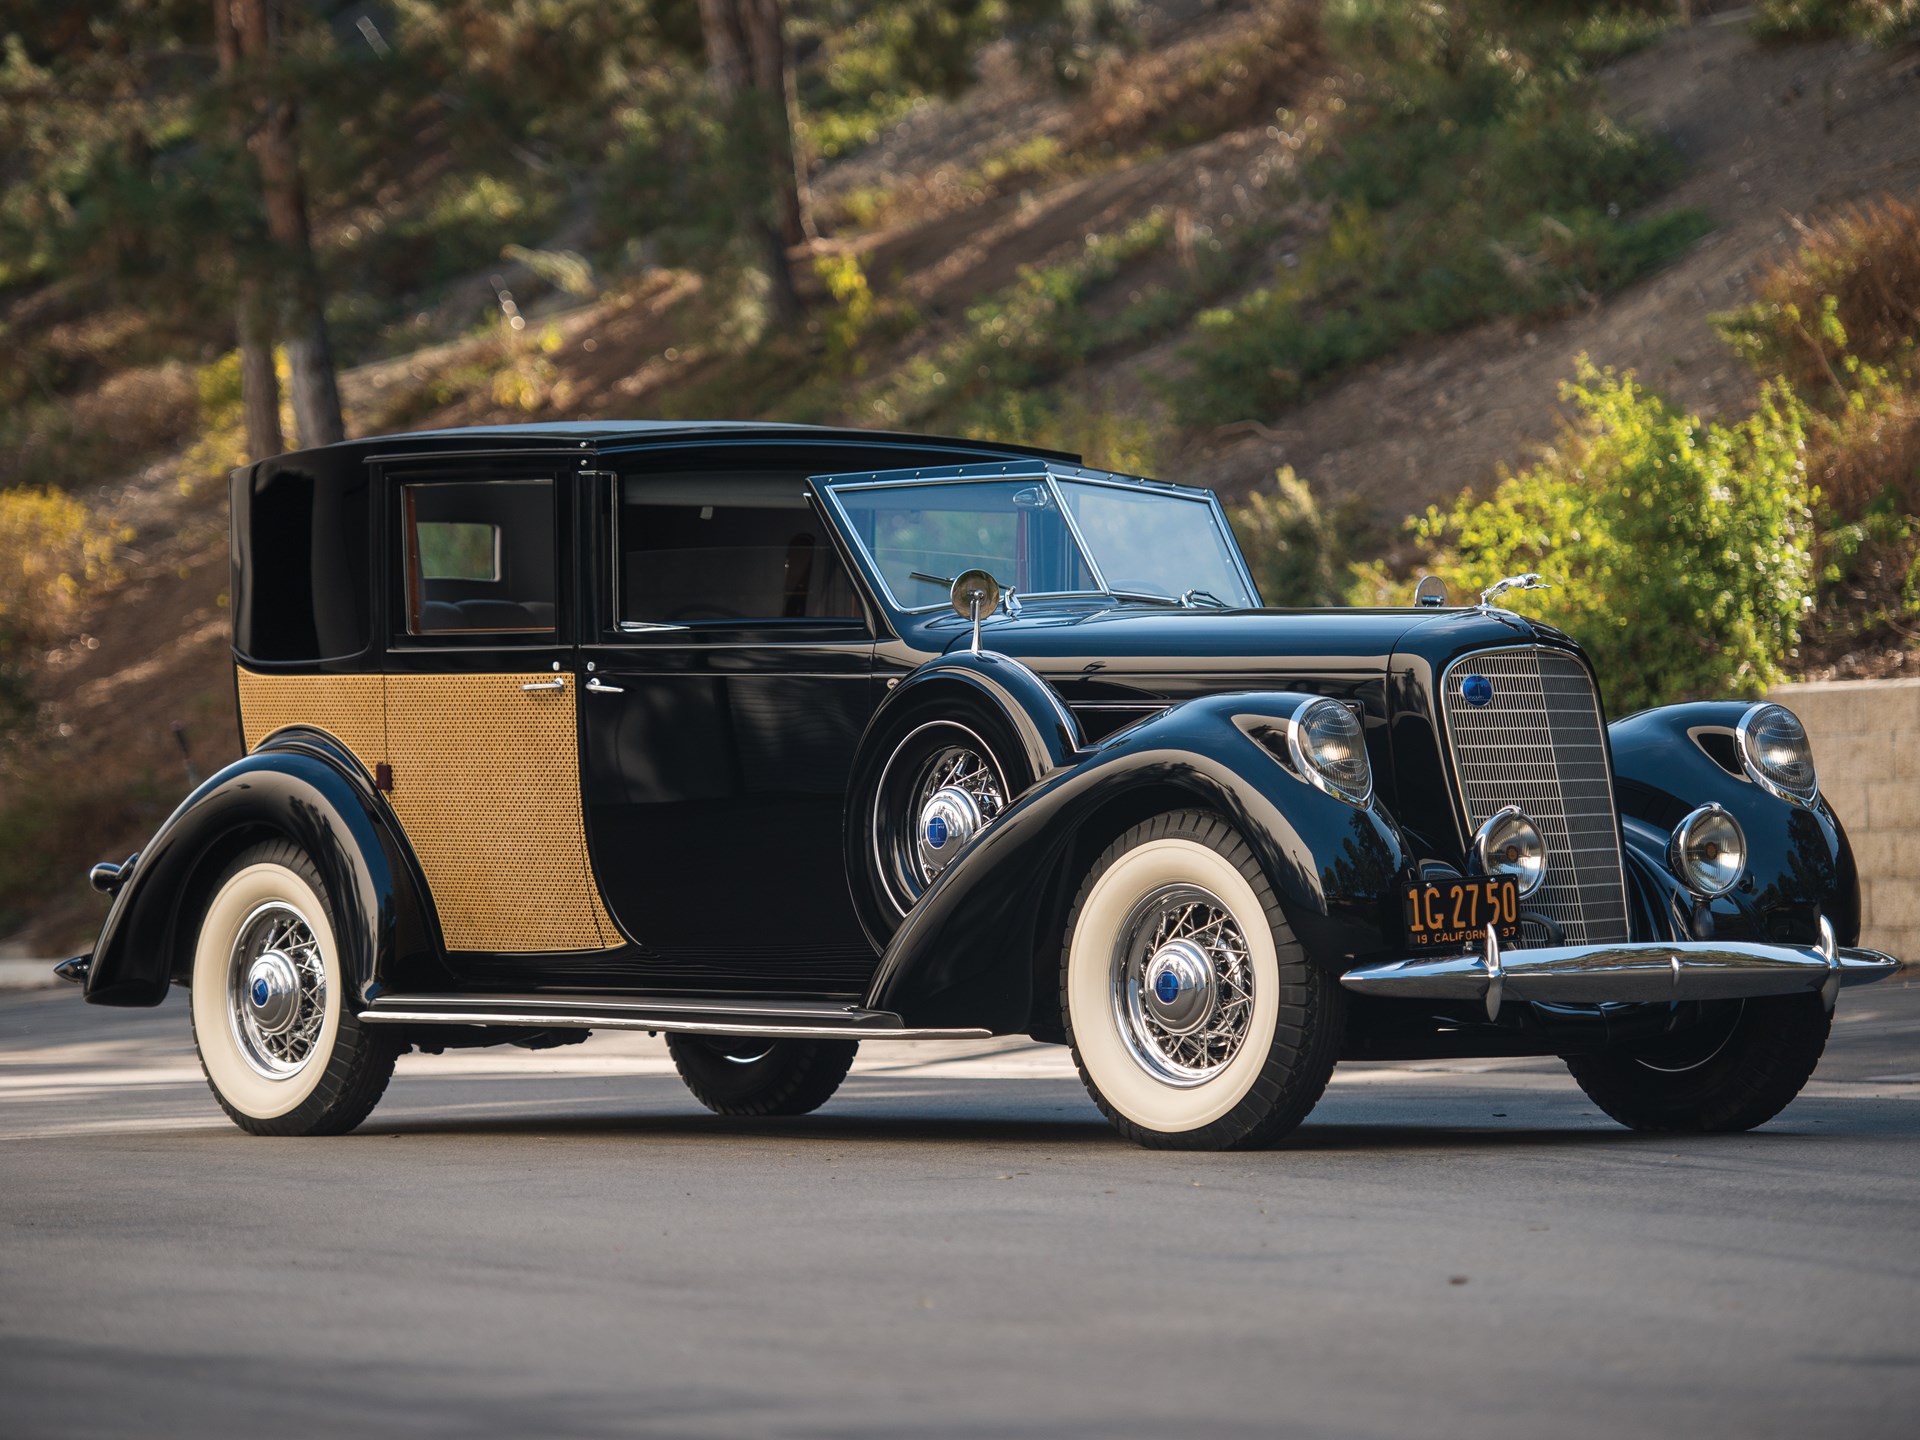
(281, 1051)
(1195, 1019)
(1727, 1074)
(750, 1075)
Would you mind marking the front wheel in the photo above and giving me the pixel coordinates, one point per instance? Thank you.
(1730, 1073)
(750, 1075)
(280, 1050)
(1195, 1019)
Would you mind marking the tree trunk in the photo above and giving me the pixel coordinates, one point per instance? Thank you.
(253, 324)
(751, 68)
(259, 384)
(276, 148)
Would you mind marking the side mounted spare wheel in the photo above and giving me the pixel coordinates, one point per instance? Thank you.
(935, 778)
(281, 1049)
(1195, 1018)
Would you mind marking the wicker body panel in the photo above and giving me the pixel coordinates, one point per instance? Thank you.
(350, 708)
(486, 786)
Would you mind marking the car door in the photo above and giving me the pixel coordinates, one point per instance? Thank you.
(724, 696)
(481, 717)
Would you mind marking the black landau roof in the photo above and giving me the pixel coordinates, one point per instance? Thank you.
(613, 435)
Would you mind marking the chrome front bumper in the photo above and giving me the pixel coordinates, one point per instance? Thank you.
(1595, 974)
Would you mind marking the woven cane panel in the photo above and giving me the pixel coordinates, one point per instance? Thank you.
(486, 780)
(347, 707)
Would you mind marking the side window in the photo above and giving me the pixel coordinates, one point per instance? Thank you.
(479, 556)
(741, 547)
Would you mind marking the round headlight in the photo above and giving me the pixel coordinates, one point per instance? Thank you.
(1510, 844)
(1775, 752)
(1709, 851)
(1329, 751)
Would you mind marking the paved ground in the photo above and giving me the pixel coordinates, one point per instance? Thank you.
(562, 1244)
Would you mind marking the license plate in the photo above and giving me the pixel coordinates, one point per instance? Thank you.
(1456, 913)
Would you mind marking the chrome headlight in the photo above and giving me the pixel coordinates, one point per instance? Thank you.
(1709, 851)
(1510, 844)
(1328, 750)
(1774, 750)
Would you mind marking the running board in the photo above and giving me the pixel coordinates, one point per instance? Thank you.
(674, 1016)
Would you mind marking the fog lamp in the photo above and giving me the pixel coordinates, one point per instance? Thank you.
(1708, 852)
(1510, 844)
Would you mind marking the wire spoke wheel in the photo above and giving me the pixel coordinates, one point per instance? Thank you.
(941, 787)
(1182, 984)
(276, 990)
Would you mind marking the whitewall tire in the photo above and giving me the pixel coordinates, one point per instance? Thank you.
(279, 1046)
(1195, 1019)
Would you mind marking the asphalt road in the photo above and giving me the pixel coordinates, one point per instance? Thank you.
(564, 1244)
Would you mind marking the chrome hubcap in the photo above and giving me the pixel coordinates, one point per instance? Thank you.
(273, 993)
(1182, 985)
(276, 990)
(958, 796)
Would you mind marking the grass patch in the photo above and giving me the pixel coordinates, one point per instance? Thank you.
(1471, 173)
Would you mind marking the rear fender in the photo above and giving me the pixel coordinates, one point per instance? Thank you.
(300, 786)
(982, 946)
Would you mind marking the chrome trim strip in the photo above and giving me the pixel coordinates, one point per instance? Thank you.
(652, 1023)
(647, 1005)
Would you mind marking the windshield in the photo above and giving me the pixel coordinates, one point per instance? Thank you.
(1155, 545)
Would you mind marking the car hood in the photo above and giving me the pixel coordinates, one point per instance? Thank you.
(1144, 654)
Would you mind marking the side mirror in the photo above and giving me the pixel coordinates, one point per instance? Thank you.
(976, 594)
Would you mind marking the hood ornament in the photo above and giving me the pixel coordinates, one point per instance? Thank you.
(1528, 581)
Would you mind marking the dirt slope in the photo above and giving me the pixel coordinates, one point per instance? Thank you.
(1772, 137)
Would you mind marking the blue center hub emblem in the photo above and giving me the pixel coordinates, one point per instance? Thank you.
(260, 991)
(937, 831)
(1166, 985)
(1477, 689)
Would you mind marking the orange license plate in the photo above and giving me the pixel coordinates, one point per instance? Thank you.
(1454, 914)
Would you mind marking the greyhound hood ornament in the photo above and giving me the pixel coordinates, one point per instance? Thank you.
(1528, 581)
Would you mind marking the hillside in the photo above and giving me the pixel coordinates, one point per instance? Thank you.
(1025, 261)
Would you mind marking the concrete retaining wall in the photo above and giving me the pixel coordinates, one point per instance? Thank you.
(1866, 743)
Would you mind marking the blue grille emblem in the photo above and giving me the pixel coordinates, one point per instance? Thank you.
(1167, 986)
(937, 831)
(260, 991)
(1477, 689)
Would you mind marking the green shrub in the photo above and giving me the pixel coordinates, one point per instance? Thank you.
(1298, 554)
(1885, 22)
(1680, 552)
(1474, 173)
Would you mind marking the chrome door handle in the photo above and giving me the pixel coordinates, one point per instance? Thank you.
(559, 682)
(600, 687)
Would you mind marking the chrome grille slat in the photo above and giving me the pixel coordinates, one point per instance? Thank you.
(1538, 744)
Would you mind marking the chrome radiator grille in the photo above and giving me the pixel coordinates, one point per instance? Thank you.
(1537, 743)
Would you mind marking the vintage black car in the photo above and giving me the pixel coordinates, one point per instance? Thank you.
(776, 739)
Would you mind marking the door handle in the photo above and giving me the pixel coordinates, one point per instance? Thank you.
(559, 682)
(600, 687)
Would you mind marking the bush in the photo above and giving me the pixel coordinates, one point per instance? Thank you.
(1298, 554)
(1885, 22)
(1680, 552)
(51, 549)
(1850, 295)
(1474, 173)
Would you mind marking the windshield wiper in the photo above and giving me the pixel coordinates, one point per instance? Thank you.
(1196, 594)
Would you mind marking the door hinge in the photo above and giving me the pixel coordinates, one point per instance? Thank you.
(382, 776)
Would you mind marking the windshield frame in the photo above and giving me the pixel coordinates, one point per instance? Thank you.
(830, 488)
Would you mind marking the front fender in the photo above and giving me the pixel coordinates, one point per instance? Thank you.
(980, 949)
(302, 787)
(1800, 866)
